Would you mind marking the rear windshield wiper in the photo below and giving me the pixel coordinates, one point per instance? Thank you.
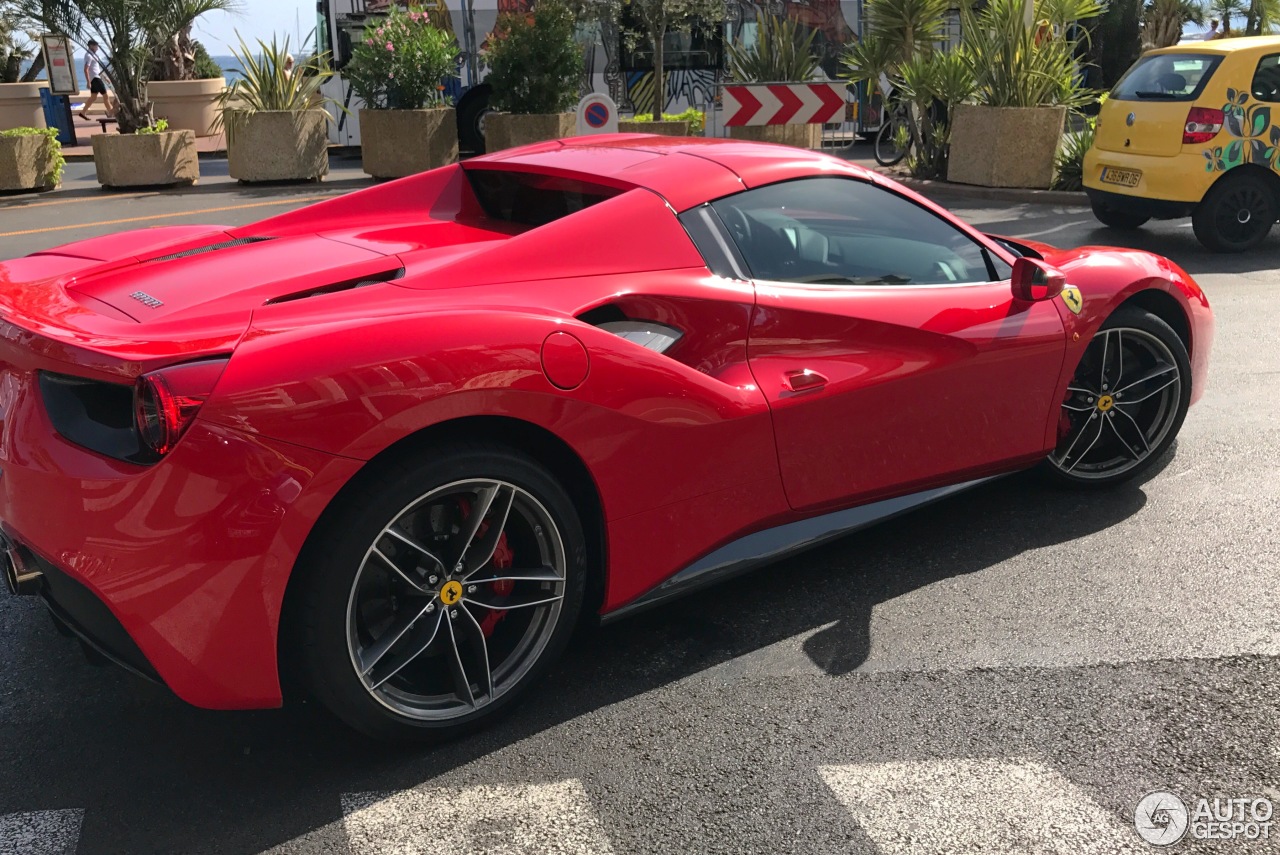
(1147, 93)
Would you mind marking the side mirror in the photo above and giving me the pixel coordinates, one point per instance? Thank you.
(1034, 280)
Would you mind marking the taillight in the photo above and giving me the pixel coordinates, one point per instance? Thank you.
(165, 401)
(1203, 124)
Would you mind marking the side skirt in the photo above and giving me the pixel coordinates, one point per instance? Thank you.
(774, 544)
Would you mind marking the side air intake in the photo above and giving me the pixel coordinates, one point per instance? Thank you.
(387, 276)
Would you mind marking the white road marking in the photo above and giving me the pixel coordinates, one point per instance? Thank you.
(1050, 231)
(989, 806)
(505, 820)
(40, 832)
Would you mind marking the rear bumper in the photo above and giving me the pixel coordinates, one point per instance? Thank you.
(178, 570)
(1156, 209)
(1170, 187)
(75, 608)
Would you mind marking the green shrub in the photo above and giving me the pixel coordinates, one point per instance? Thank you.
(160, 127)
(205, 67)
(696, 118)
(55, 161)
(401, 62)
(535, 61)
(1069, 163)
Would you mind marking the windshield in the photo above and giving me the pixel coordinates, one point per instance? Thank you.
(1167, 77)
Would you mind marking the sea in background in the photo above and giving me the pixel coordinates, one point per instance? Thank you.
(231, 69)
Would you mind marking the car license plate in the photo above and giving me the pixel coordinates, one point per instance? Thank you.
(1123, 177)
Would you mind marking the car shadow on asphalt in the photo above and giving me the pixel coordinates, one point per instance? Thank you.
(1181, 246)
(129, 751)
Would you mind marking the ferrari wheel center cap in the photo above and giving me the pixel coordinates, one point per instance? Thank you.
(1106, 402)
(451, 592)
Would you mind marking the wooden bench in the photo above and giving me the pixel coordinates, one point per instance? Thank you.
(104, 121)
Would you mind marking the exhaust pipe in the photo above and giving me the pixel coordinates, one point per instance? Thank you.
(20, 575)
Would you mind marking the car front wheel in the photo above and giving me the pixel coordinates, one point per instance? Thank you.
(1125, 403)
(442, 592)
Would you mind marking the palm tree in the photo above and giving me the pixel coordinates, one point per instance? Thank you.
(1165, 19)
(1262, 17)
(132, 32)
(1225, 10)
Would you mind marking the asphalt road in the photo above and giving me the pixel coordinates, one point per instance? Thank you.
(1009, 671)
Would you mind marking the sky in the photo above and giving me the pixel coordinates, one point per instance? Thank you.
(257, 19)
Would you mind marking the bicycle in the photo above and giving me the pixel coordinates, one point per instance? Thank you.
(899, 122)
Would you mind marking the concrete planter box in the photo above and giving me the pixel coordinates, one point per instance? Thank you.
(20, 106)
(800, 136)
(145, 160)
(26, 162)
(664, 128)
(1004, 146)
(188, 105)
(508, 130)
(396, 143)
(276, 145)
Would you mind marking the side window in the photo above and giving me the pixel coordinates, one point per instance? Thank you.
(843, 231)
(1266, 80)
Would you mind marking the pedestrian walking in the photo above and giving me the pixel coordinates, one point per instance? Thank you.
(98, 80)
(1214, 32)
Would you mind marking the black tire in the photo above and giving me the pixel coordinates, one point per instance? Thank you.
(1113, 219)
(1236, 214)
(1156, 420)
(471, 115)
(886, 149)
(331, 607)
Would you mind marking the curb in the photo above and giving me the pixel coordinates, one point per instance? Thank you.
(998, 194)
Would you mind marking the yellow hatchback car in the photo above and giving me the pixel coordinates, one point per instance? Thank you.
(1193, 130)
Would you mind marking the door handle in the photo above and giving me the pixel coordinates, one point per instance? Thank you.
(805, 381)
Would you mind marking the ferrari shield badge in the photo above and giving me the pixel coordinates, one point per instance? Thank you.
(1071, 297)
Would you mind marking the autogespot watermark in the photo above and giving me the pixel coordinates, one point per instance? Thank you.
(1162, 819)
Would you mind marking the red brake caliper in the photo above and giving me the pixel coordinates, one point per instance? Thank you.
(502, 559)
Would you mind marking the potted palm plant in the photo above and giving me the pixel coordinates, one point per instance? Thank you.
(274, 116)
(1025, 80)
(535, 67)
(19, 102)
(185, 81)
(30, 159)
(406, 124)
(131, 31)
(781, 53)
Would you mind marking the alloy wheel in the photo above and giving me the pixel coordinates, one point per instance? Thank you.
(1120, 406)
(456, 599)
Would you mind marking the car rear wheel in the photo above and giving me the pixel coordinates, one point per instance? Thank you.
(1236, 214)
(1111, 218)
(1125, 404)
(442, 592)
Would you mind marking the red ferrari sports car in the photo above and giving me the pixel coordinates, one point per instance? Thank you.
(404, 439)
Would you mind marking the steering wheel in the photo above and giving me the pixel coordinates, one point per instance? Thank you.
(737, 224)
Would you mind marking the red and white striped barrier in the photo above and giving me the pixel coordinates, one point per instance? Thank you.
(783, 103)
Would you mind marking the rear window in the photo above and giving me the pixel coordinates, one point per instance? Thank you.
(1266, 80)
(1167, 77)
(532, 199)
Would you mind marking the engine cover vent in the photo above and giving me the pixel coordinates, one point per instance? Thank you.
(213, 247)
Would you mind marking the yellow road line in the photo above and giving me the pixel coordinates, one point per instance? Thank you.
(290, 201)
(104, 197)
